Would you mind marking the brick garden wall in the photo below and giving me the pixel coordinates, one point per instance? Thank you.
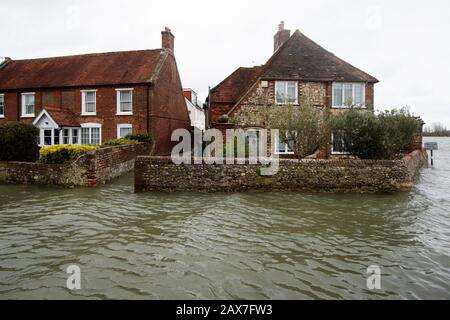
(89, 170)
(343, 175)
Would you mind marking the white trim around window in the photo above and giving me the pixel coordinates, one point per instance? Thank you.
(124, 103)
(283, 92)
(127, 126)
(344, 92)
(92, 103)
(28, 104)
(91, 133)
(2, 105)
(277, 150)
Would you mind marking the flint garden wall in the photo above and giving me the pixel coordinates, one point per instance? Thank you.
(332, 175)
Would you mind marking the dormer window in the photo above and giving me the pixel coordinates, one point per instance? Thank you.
(286, 92)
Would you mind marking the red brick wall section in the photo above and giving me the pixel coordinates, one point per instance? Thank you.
(89, 170)
(105, 105)
(168, 109)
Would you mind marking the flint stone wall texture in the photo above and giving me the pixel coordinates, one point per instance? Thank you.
(89, 170)
(334, 175)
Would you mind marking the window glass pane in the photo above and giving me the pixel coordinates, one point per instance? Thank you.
(29, 103)
(90, 107)
(75, 136)
(2, 105)
(125, 96)
(337, 94)
(338, 142)
(47, 137)
(89, 101)
(85, 136)
(95, 135)
(123, 132)
(56, 136)
(280, 91)
(89, 96)
(291, 92)
(281, 145)
(65, 136)
(348, 98)
(125, 106)
(359, 93)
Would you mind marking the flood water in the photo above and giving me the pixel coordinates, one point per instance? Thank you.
(227, 246)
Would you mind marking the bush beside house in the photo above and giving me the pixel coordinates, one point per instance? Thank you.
(371, 136)
(18, 142)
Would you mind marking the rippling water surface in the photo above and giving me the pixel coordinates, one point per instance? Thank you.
(231, 246)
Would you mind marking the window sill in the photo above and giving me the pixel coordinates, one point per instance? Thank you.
(88, 114)
(2, 117)
(124, 114)
(28, 116)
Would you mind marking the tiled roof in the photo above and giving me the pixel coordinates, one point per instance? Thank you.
(303, 59)
(230, 89)
(126, 67)
(64, 118)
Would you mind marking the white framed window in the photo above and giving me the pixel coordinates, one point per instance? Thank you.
(28, 105)
(124, 101)
(349, 94)
(91, 133)
(286, 92)
(124, 129)
(2, 105)
(281, 147)
(88, 102)
(337, 143)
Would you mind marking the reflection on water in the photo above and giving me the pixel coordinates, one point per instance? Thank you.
(240, 246)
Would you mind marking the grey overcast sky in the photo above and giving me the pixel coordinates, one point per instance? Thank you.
(405, 44)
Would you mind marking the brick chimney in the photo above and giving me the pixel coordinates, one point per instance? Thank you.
(281, 36)
(167, 39)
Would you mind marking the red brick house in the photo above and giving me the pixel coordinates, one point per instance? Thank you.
(91, 98)
(297, 67)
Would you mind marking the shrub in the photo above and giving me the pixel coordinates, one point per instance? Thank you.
(143, 137)
(119, 142)
(60, 154)
(18, 142)
(371, 136)
(399, 128)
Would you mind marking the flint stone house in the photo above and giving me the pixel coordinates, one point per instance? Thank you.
(91, 98)
(297, 67)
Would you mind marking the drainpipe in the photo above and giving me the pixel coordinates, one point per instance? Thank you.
(209, 107)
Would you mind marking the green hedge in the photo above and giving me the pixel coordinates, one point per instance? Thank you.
(60, 154)
(371, 136)
(119, 142)
(18, 142)
(144, 137)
